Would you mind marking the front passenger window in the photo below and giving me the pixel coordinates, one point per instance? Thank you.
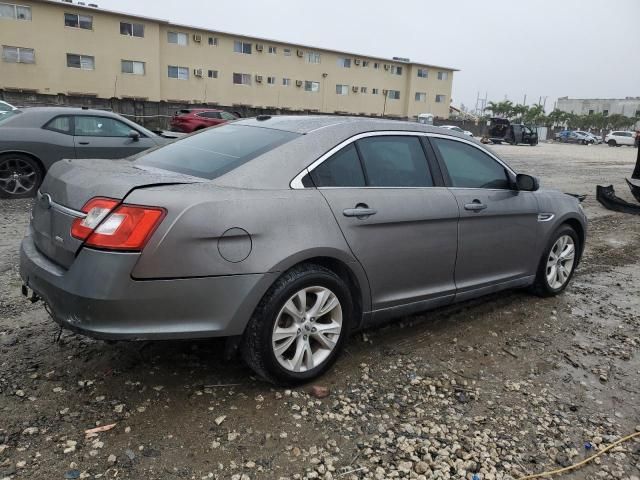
(87, 126)
(469, 167)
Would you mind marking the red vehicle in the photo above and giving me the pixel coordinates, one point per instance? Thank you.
(190, 120)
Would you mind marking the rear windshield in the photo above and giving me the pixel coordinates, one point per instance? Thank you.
(215, 151)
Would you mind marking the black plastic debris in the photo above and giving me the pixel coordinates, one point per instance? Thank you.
(607, 197)
(634, 186)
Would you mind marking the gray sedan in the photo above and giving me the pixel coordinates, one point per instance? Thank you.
(32, 139)
(285, 234)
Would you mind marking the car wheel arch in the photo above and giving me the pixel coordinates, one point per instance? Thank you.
(578, 227)
(28, 154)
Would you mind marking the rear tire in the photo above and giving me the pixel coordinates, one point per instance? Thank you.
(558, 262)
(20, 176)
(611, 143)
(291, 338)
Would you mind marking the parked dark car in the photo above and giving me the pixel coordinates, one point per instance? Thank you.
(33, 139)
(287, 233)
(191, 120)
(502, 130)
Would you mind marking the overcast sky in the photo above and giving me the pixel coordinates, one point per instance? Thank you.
(541, 48)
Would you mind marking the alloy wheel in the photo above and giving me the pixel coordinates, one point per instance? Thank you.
(17, 176)
(307, 329)
(561, 261)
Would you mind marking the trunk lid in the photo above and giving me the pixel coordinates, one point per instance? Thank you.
(70, 184)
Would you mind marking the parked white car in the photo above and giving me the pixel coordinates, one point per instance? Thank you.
(6, 107)
(619, 138)
(597, 139)
(456, 129)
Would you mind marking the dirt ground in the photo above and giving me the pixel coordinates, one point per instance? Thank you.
(495, 388)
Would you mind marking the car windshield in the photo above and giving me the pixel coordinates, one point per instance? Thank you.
(215, 151)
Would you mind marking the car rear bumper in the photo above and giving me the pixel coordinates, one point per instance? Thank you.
(97, 297)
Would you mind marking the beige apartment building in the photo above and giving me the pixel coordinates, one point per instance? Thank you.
(60, 47)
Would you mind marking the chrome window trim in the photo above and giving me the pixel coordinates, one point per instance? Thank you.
(296, 183)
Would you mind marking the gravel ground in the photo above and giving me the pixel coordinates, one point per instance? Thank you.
(490, 389)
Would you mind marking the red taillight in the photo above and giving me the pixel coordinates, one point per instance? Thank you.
(127, 227)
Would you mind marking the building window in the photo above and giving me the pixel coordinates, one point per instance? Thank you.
(344, 62)
(604, 112)
(376, 65)
(423, 73)
(242, 47)
(396, 70)
(286, 82)
(375, 91)
(393, 94)
(443, 75)
(637, 113)
(313, 57)
(440, 98)
(287, 52)
(14, 12)
(342, 89)
(421, 97)
(132, 29)
(271, 80)
(133, 67)
(78, 21)
(273, 50)
(213, 41)
(363, 89)
(177, 38)
(212, 73)
(242, 78)
(181, 73)
(84, 62)
(365, 63)
(591, 112)
(311, 86)
(18, 54)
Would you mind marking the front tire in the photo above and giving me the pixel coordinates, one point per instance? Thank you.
(611, 143)
(558, 263)
(20, 176)
(299, 327)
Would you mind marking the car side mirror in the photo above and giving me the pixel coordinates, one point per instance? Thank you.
(527, 183)
(133, 135)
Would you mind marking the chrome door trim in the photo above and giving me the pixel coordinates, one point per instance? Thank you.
(296, 183)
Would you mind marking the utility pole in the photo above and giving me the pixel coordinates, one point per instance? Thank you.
(524, 102)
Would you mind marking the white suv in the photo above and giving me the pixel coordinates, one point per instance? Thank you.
(616, 139)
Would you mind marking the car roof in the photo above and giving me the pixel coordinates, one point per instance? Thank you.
(196, 110)
(305, 124)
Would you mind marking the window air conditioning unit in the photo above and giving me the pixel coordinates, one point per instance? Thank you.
(259, 78)
(354, 89)
(197, 37)
(197, 72)
(259, 47)
(357, 61)
(300, 53)
(298, 83)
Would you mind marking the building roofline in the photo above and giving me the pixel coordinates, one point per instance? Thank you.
(240, 35)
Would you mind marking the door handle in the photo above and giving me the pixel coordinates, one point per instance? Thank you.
(361, 211)
(475, 206)
(83, 143)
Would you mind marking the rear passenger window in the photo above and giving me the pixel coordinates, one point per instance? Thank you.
(60, 124)
(394, 161)
(469, 167)
(342, 169)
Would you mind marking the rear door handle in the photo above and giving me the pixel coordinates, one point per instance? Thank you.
(83, 143)
(475, 206)
(361, 211)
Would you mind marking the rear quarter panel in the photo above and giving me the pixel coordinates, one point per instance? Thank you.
(46, 145)
(283, 228)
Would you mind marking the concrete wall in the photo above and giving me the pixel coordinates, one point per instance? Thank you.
(52, 40)
(582, 106)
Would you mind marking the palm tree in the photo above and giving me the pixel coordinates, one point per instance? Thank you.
(535, 114)
(556, 117)
(500, 109)
(520, 111)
